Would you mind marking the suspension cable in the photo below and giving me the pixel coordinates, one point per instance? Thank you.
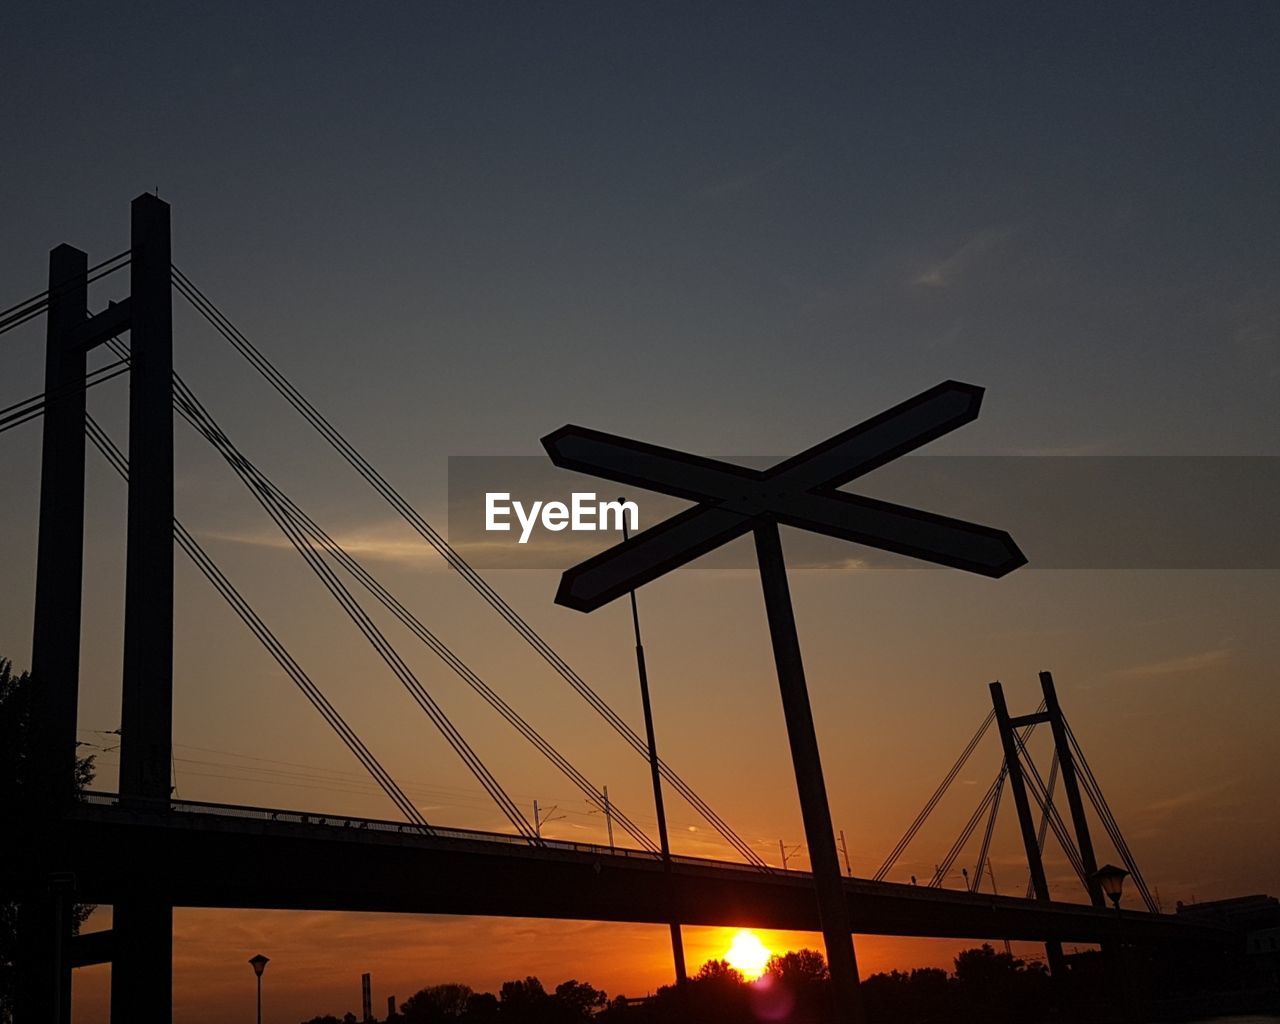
(268, 639)
(196, 412)
(375, 479)
(19, 314)
(984, 851)
(943, 869)
(28, 409)
(437, 646)
(1040, 791)
(1103, 809)
(971, 825)
(932, 802)
(371, 633)
(1042, 834)
(253, 477)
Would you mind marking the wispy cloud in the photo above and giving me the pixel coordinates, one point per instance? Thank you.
(946, 271)
(1157, 820)
(1183, 665)
(745, 181)
(1256, 318)
(1085, 448)
(372, 543)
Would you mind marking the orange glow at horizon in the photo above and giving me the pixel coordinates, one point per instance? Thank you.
(748, 955)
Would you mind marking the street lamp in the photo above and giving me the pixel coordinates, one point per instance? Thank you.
(1110, 880)
(259, 963)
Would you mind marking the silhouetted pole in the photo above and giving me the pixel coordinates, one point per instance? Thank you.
(996, 892)
(142, 972)
(677, 939)
(49, 780)
(833, 907)
(147, 705)
(55, 648)
(1017, 785)
(1067, 767)
(844, 850)
(608, 817)
(259, 964)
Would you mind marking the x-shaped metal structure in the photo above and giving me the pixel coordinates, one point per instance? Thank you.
(801, 491)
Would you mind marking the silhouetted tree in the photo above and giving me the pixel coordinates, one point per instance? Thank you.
(523, 1000)
(717, 993)
(794, 987)
(578, 1001)
(719, 973)
(798, 967)
(482, 1007)
(436, 1003)
(999, 986)
(984, 967)
(924, 994)
(15, 729)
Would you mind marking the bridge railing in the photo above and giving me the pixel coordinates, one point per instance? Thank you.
(339, 821)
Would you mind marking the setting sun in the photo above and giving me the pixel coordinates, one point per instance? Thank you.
(748, 955)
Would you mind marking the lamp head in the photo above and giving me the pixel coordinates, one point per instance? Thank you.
(258, 963)
(1110, 880)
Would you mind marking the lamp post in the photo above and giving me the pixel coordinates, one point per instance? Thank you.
(1110, 880)
(259, 963)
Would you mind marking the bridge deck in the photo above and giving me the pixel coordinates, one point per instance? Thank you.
(220, 855)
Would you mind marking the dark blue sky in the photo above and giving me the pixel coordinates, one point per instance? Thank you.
(481, 220)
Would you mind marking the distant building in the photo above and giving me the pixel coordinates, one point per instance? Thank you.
(1258, 919)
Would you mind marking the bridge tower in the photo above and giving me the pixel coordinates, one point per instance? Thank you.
(141, 986)
(1052, 715)
(1018, 786)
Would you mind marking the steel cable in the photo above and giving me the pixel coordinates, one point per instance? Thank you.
(300, 403)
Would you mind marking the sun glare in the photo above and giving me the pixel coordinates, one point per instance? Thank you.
(748, 955)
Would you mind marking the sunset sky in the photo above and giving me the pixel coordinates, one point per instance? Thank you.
(724, 228)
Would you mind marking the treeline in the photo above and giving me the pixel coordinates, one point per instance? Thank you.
(986, 986)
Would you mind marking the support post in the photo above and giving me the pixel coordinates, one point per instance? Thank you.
(833, 907)
(44, 922)
(1018, 786)
(1071, 784)
(608, 817)
(677, 937)
(142, 974)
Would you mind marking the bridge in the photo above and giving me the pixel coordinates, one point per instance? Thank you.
(144, 853)
(304, 862)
